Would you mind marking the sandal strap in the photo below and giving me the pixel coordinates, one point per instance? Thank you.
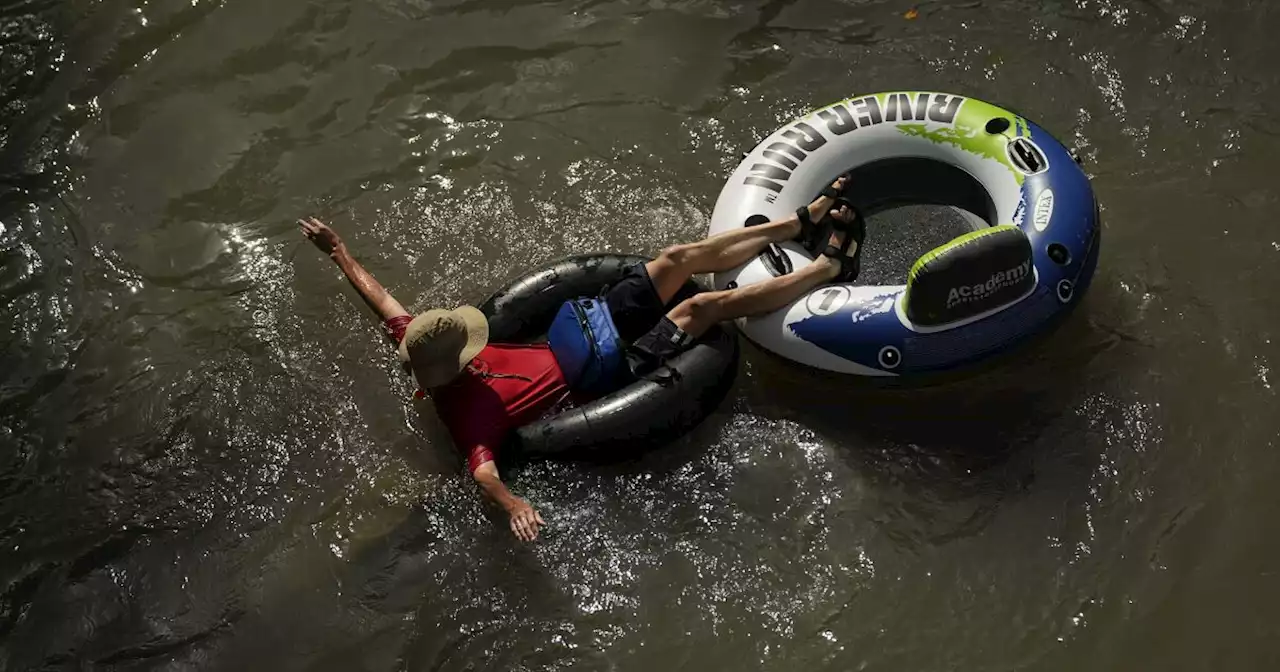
(850, 267)
(831, 192)
(802, 213)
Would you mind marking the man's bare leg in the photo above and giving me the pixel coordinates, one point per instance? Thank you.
(699, 313)
(723, 251)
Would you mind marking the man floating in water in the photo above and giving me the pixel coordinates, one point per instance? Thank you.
(482, 390)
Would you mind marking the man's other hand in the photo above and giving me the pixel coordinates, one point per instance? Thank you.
(524, 520)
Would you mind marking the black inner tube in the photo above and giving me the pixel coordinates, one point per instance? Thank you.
(649, 412)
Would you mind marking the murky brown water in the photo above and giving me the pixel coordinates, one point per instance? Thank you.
(209, 460)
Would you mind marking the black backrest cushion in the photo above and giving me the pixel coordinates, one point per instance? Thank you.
(970, 275)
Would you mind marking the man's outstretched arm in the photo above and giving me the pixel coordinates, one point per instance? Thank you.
(373, 293)
(523, 519)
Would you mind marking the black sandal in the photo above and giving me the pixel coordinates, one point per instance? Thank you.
(812, 235)
(855, 232)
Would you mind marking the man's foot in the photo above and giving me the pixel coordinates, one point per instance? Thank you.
(843, 254)
(811, 232)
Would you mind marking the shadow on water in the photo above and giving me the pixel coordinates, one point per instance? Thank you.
(974, 438)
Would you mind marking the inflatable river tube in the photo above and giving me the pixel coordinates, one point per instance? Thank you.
(1030, 256)
(650, 411)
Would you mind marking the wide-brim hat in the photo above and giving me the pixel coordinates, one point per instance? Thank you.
(438, 344)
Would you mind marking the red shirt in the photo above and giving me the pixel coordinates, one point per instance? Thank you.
(505, 387)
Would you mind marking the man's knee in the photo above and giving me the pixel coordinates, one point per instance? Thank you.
(700, 311)
(679, 255)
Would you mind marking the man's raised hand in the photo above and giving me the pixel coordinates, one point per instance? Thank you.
(324, 238)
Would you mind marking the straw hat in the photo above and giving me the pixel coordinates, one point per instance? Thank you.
(438, 344)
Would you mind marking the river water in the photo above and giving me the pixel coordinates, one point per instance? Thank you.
(209, 459)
